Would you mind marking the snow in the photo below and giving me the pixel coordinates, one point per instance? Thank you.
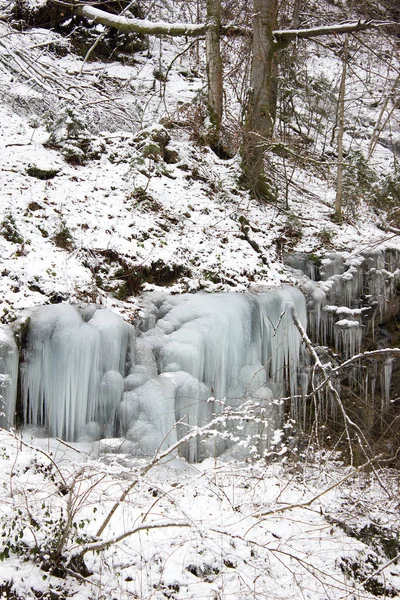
(142, 25)
(217, 528)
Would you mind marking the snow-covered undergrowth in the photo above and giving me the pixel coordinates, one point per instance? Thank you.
(312, 529)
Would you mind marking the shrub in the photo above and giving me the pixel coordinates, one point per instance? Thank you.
(63, 238)
(9, 230)
(358, 179)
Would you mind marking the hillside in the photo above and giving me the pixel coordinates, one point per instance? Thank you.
(100, 201)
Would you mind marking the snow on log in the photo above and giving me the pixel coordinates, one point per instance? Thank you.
(141, 25)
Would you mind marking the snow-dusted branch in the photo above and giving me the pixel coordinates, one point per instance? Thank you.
(157, 458)
(96, 547)
(326, 372)
(146, 27)
(325, 491)
(289, 35)
(383, 352)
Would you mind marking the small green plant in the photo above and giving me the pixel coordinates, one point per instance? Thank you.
(143, 201)
(326, 236)
(41, 530)
(293, 228)
(9, 230)
(66, 125)
(122, 292)
(152, 151)
(63, 238)
(43, 174)
(358, 179)
(159, 75)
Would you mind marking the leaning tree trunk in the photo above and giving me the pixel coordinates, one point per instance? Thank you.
(261, 108)
(214, 70)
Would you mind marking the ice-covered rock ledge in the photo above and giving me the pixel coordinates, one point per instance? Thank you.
(86, 374)
(348, 296)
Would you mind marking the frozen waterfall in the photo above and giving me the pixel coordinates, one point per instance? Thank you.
(87, 374)
(73, 369)
(350, 298)
(8, 376)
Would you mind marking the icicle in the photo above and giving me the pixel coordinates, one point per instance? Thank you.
(386, 381)
(8, 376)
(348, 336)
(85, 376)
(65, 362)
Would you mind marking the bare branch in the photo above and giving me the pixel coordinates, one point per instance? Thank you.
(290, 35)
(395, 352)
(144, 26)
(159, 456)
(308, 503)
(143, 527)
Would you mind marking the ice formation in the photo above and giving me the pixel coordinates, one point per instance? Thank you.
(72, 373)
(232, 347)
(8, 376)
(346, 299)
(88, 374)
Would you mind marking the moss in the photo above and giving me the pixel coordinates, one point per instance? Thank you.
(122, 292)
(314, 258)
(134, 276)
(21, 333)
(144, 201)
(211, 276)
(43, 231)
(44, 174)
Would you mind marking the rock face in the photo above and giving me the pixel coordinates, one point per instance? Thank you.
(87, 374)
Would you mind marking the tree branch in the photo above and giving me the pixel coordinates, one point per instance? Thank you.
(144, 26)
(288, 35)
(96, 547)
(325, 491)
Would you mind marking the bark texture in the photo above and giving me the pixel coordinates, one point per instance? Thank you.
(214, 69)
(261, 108)
(341, 105)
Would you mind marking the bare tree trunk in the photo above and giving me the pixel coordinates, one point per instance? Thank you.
(296, 14)
(342, 94)
(214, 69)
(381, 122)
(261, 108)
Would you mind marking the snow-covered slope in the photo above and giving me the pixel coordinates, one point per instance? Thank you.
(99, 201)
